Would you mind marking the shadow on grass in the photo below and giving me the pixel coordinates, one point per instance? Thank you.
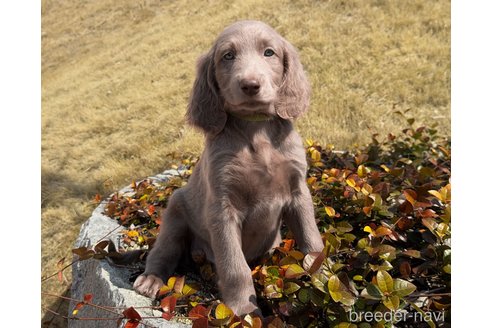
(50, 320)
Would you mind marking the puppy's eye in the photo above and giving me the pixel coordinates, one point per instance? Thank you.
(269, 53)
(229, 56)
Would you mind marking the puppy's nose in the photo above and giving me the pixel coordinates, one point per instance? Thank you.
(250, 87)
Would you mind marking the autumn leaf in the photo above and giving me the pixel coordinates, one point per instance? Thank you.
(78, 306)
(313, 261)
(132, 323)
(293, 271)
(385, 281)
(88, 298)
(330, 211)
(97, 198)
(198, 312)
(222, 311)
(131, 314)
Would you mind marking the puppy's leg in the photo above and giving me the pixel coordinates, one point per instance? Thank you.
(163, 258)
(235, 281)
(299, 217)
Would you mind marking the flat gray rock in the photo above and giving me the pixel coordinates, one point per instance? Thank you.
(109, 284)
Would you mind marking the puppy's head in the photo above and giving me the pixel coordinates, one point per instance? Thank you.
(250, 69)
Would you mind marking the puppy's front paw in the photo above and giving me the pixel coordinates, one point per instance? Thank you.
(148, 285)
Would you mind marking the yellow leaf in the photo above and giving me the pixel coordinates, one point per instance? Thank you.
(132, 233)
(361, 171)
(188, 290)
(366, 189)
(368, 229)
(436, 194)
(171, 281)
(385, 281)
(311, 180)
(410, 195)
(223, 312)
(446, 192)
(315, 155)
(330, 211)
(351, 182)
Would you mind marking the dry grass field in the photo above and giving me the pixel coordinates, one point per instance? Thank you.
(116, 75)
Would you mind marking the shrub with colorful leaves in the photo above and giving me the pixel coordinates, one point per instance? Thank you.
(384, 213)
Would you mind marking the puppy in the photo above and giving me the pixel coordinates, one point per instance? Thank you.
(251, 175)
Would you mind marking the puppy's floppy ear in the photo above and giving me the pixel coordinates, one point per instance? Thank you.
(294, 92)
(206, 106)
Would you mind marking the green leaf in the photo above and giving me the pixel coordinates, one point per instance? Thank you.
(385, 281)
(339, 292)
(358, 277)
(304, 295)
(344, 226)
(392, 302)
(290, 287)
(296, 255)
(294, 271)
(320, 281)
(272, 291)
(403, 288)
(372, 292)
(383, 266)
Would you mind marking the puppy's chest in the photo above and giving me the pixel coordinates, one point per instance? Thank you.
(266, 176)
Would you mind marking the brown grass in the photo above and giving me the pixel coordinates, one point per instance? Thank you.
(116, 76)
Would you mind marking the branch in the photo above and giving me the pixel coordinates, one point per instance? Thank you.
(61, 270)
(101, 307)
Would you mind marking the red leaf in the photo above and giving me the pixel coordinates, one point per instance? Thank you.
(87, 298)
(97, 198)
(59, 266)
(168, 304)
(198, 312)
(405, 269)
(60, 276)
(132, 314)
(406, 207)
(168, 316)
(132, 324)
(200, 323)
(77, 307)
(367, 210)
